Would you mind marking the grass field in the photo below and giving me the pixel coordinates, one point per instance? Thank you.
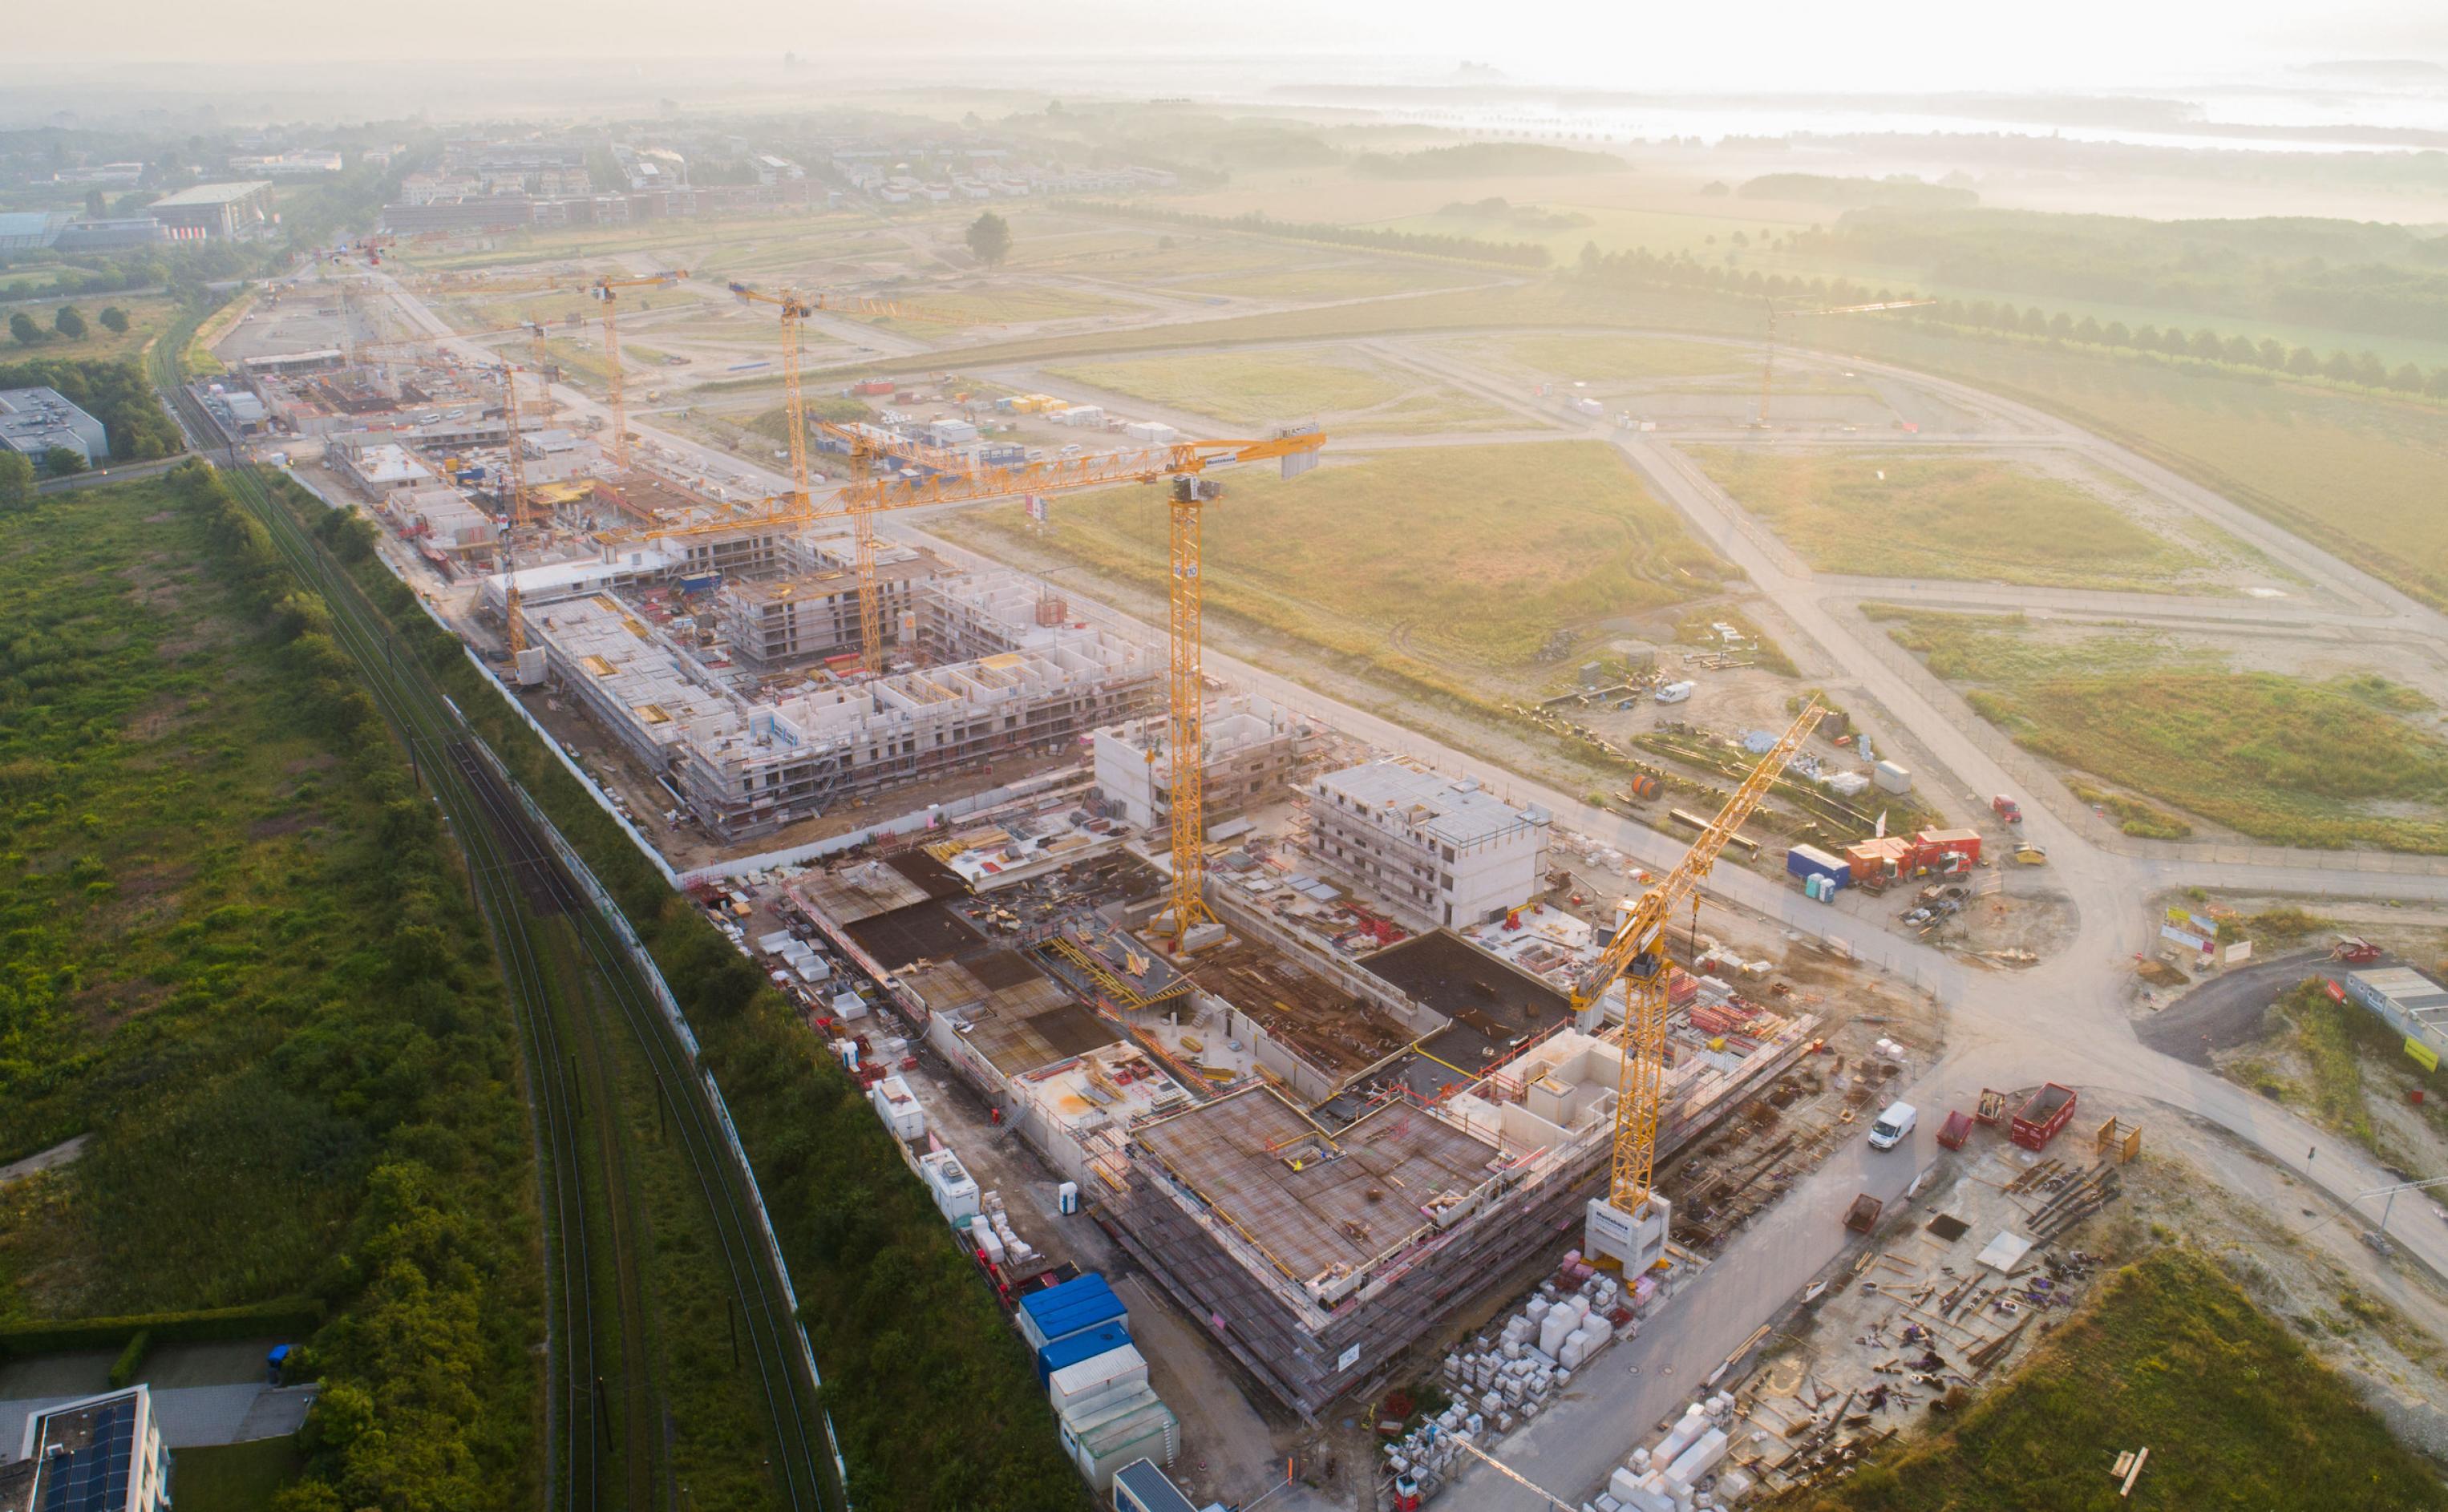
(1334, 281)
(1465, 554)
(2237, 1413)
(234, 1476)
(2358, 476)
(1981, 519)
(1251, 389)
(241, 957)
(1615, 359)
(147, 314)
(2327, 765)
(935, 313)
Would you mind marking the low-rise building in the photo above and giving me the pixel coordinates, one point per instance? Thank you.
(380, 469)
(35, 420)
(95, 1454)
(1425, 847)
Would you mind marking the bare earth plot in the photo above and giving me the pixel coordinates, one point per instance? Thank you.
(1409, 563)
(1344, 391)
(2315, 757)
(2042, 522)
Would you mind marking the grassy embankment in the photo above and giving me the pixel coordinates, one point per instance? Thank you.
(1345, 391)
(2350, 1058)
(2236, 1412)
(1413, 567)
(1973, 518)
(866, 1250)
(2325, 765)
(242, 958)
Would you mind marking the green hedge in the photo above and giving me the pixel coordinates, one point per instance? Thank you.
(131, 1359)
(298, 1316)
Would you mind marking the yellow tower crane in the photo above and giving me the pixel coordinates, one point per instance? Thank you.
(1767, 362)
(1628, 1226)
(1185, 462)
(796, 308)
(607, 293)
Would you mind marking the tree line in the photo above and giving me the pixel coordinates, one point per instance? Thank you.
(2364, 370)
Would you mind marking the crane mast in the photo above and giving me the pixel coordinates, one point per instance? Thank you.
(1185, 462)
(607, 293)
(1629, 1225)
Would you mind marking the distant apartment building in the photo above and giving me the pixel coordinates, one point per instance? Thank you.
(215, 212)
(1427, 848)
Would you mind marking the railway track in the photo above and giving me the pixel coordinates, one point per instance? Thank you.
(525, 887)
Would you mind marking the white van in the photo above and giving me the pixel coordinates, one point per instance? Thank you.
(1893, 1126)
(1676, 692)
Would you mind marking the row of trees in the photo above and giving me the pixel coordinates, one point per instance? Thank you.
(1640, 267)
(2365, 369)
(67, 321)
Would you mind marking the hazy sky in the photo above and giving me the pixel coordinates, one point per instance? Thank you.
(1762, 44)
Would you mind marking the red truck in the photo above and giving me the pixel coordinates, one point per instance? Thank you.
(2007, 809)
(2050, 1109)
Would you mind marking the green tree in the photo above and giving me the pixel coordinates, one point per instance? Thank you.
(2270, 354)
(114, 319)
(2406, 380)
(2116, 335)
(16, 479)
(2370, 371)
(2303, 362)
(22, 327)
(2207, 344)
(69, 323)
(93, 205)
(60, 462)
(2338, 367)
(2241, 351)
(2088, 332)
(989, 239)
(2438, 386)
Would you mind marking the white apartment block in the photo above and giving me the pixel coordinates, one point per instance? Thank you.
(991, 679)
(1253, 747)
(1428, 848)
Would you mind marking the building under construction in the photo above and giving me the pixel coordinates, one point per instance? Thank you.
(984, 676)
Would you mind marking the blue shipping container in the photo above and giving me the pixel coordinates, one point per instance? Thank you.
(1808, 861)
(1087, 1345)
(1072, 1308)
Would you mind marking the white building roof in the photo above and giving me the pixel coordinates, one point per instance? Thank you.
(390, 464)
(1455, 812)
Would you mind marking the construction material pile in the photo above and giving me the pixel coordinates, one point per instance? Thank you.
(1680, 1472)
(1500, 1383)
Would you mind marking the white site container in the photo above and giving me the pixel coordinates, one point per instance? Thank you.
(848, 1006)
(899, 1108)
(1076, 1389)
(955, 1193)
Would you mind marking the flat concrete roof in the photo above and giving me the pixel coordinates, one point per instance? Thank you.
(1316, 1203)
(212, 194)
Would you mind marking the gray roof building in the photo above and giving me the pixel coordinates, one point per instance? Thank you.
(35, 420)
